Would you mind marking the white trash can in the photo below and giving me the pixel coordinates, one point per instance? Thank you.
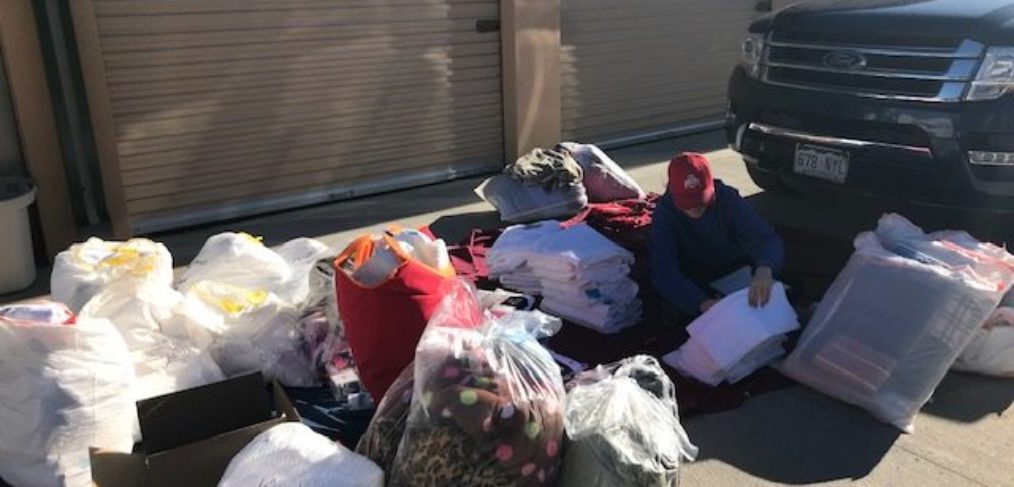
(17, 258)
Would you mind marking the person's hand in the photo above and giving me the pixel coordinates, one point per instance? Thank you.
(760, 287)
(705, 306)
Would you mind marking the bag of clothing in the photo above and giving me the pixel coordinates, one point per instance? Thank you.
(624, 427)
(487, 404)
(518, 202)
(891, 326)
(65, 386)
(85, 269)
(293, 454)
(991, 351)
(603, 178)
(388, 286)
(382, 437)
(167, 337)
(254, 330)
(239, 259)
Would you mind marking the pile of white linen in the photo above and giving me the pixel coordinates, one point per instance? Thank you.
(583, 276)
(732, 340)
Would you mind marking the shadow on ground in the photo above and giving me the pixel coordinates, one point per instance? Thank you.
(796, 437)
(968, 398)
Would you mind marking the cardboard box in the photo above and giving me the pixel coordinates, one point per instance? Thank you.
(190, 437)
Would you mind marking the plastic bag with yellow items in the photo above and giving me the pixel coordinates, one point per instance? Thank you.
(85, 269)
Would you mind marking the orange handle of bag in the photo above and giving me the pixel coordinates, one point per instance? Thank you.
(361, 249)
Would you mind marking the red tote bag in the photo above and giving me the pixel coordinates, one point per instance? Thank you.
(383, 323)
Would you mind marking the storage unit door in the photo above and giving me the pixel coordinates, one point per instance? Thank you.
(211, 109)
(640, 66)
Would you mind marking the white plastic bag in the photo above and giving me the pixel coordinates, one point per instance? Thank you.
(254, 330)
(65, 386)
(291, 454)
(486, 390)
(890, 327)
(84, 269)
(991, 352)
(167, 338)
(239, 259)
(624, 427)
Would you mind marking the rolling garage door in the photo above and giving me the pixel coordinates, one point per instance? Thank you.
(645, 65)
(211, 109)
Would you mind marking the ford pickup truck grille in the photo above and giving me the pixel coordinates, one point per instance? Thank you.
(918, 74)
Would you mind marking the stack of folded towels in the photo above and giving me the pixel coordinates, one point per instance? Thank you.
(583, 276)
(732, 340)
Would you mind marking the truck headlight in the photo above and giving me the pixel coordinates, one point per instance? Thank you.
(751, 54)
(996, 76)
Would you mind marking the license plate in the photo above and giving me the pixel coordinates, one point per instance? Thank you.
(822, 162)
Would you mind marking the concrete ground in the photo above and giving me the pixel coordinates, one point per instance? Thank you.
(794, 436)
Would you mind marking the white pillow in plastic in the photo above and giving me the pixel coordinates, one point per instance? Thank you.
(292, 454)
(83, 270)
(604, 179)
(64, 387)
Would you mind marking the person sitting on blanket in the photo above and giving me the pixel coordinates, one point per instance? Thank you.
(703, 230)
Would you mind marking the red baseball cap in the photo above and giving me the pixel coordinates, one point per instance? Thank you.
(690, 182)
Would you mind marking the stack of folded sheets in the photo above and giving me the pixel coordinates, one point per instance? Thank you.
(732, 340)
(582, 276)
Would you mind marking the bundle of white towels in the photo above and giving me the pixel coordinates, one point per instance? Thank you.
(732, 340)
(581, 275)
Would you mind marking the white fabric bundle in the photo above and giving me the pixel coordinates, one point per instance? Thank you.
(166, 335)
(583, 276)
(85, 269)
(732, 339)
(991, 351)
(292, 454)
(239, 259)
(252, 298)
(65, 386)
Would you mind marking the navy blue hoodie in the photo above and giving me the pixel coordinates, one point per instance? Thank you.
(688, 252)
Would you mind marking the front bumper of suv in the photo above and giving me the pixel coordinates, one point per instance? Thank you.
(905, 150)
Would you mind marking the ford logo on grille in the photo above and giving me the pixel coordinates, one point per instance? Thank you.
(844, 60)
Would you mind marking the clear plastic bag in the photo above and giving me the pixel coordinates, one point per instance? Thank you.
(890, 327)
(85, 269)
(487, 404)
(624, 427)
(382, 437)
(293, 454)
(65, 386)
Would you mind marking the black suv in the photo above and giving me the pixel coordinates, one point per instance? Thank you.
(910, 99)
